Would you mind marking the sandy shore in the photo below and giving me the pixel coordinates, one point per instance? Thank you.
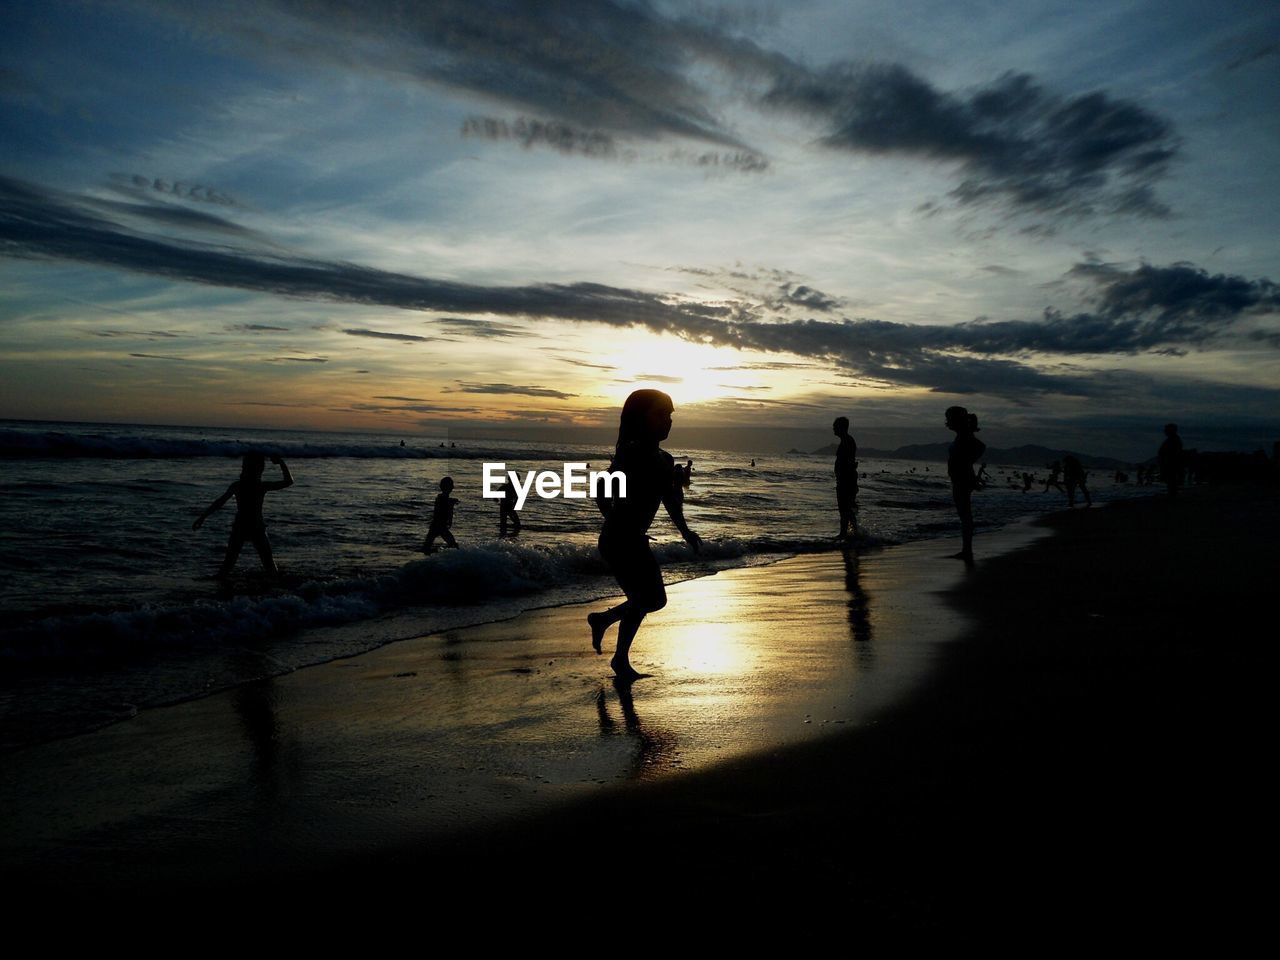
(1073, 735)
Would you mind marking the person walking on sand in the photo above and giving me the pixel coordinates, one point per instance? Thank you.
(846, 479)
(441, 518)
(248, 524)
(1170, 459)
(963, 453)
(624, 541)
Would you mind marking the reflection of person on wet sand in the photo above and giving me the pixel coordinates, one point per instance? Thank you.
(963, 453)
(507, 513)
(650, 473)
(441, 518)
(846, 479)
(248, 524)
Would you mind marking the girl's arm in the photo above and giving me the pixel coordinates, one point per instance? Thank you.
(673, 500)
(215, 506)
(287, 480)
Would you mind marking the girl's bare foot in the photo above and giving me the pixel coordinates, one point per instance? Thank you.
(598, 625)
(625, 671)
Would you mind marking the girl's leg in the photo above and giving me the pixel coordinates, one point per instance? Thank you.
(602, 621)
(233, 551)
(620, 663)
(264, 554)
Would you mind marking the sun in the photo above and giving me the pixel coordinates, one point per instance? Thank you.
(689, 372)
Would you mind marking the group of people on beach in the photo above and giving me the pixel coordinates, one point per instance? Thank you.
(654, 479)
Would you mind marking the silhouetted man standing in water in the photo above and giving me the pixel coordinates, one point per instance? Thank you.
(1170, 457)
(249, 492)
(846, 479)
(1073, 476)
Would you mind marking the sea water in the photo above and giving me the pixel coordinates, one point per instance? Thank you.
(109, 604)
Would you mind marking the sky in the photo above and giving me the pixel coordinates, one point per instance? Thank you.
(504, 217)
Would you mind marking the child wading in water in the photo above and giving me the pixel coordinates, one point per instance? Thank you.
(441, 518)
(249, 491)
(624, 543)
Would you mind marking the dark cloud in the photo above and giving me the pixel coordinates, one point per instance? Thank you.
(297, 359)
(1013, 140)
(589, 73)
(585, 363)
(484, 328)
(544, 133)
(145, 334)
(809, 298)
(619, 67)
(173, 216)
(1150, 308)
(383, 335)
(137, 185)
(507, 388)
(256, 328)
(658, 378)
(571, 140)
(404, 399)
(770, 365)
(155, 356)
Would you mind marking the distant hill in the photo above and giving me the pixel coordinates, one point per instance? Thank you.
(1028, 455)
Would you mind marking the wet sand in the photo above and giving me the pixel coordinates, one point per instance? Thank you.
(1074, 737)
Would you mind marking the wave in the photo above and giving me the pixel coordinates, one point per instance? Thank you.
(486, 572)
(54, 444)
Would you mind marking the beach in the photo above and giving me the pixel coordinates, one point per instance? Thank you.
(1067, 732)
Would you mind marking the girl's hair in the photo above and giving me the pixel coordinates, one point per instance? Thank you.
(253, 464)
(958, 416)
(634, 425)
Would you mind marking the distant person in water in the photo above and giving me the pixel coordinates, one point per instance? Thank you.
(1170, 458)
(1027, 481)
(508, 515)
(983, 478)
(1074, 476)
(963, 453)
(624, 541)
(686, 472)
(1055, 469)
(248, 524)
(846, 479)
(441, 518)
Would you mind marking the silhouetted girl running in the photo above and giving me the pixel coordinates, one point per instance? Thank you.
(624, 541)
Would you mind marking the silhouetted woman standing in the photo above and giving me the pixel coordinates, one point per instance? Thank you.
(624, 542)
(248, 524)
(963, 453)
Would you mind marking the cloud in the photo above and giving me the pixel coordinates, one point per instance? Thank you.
(484, 328)
(507, 388)
(585, 75)
(809, 298)
(155, 356)
(1148, 308)
(147, 334)
(297, 359)
(256, 328)
(657, 378)
(546, 133)
(1014, 141)
(383, 335)
(138, 185)
(404, 399)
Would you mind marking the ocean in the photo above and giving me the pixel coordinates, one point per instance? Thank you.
(110, 605)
